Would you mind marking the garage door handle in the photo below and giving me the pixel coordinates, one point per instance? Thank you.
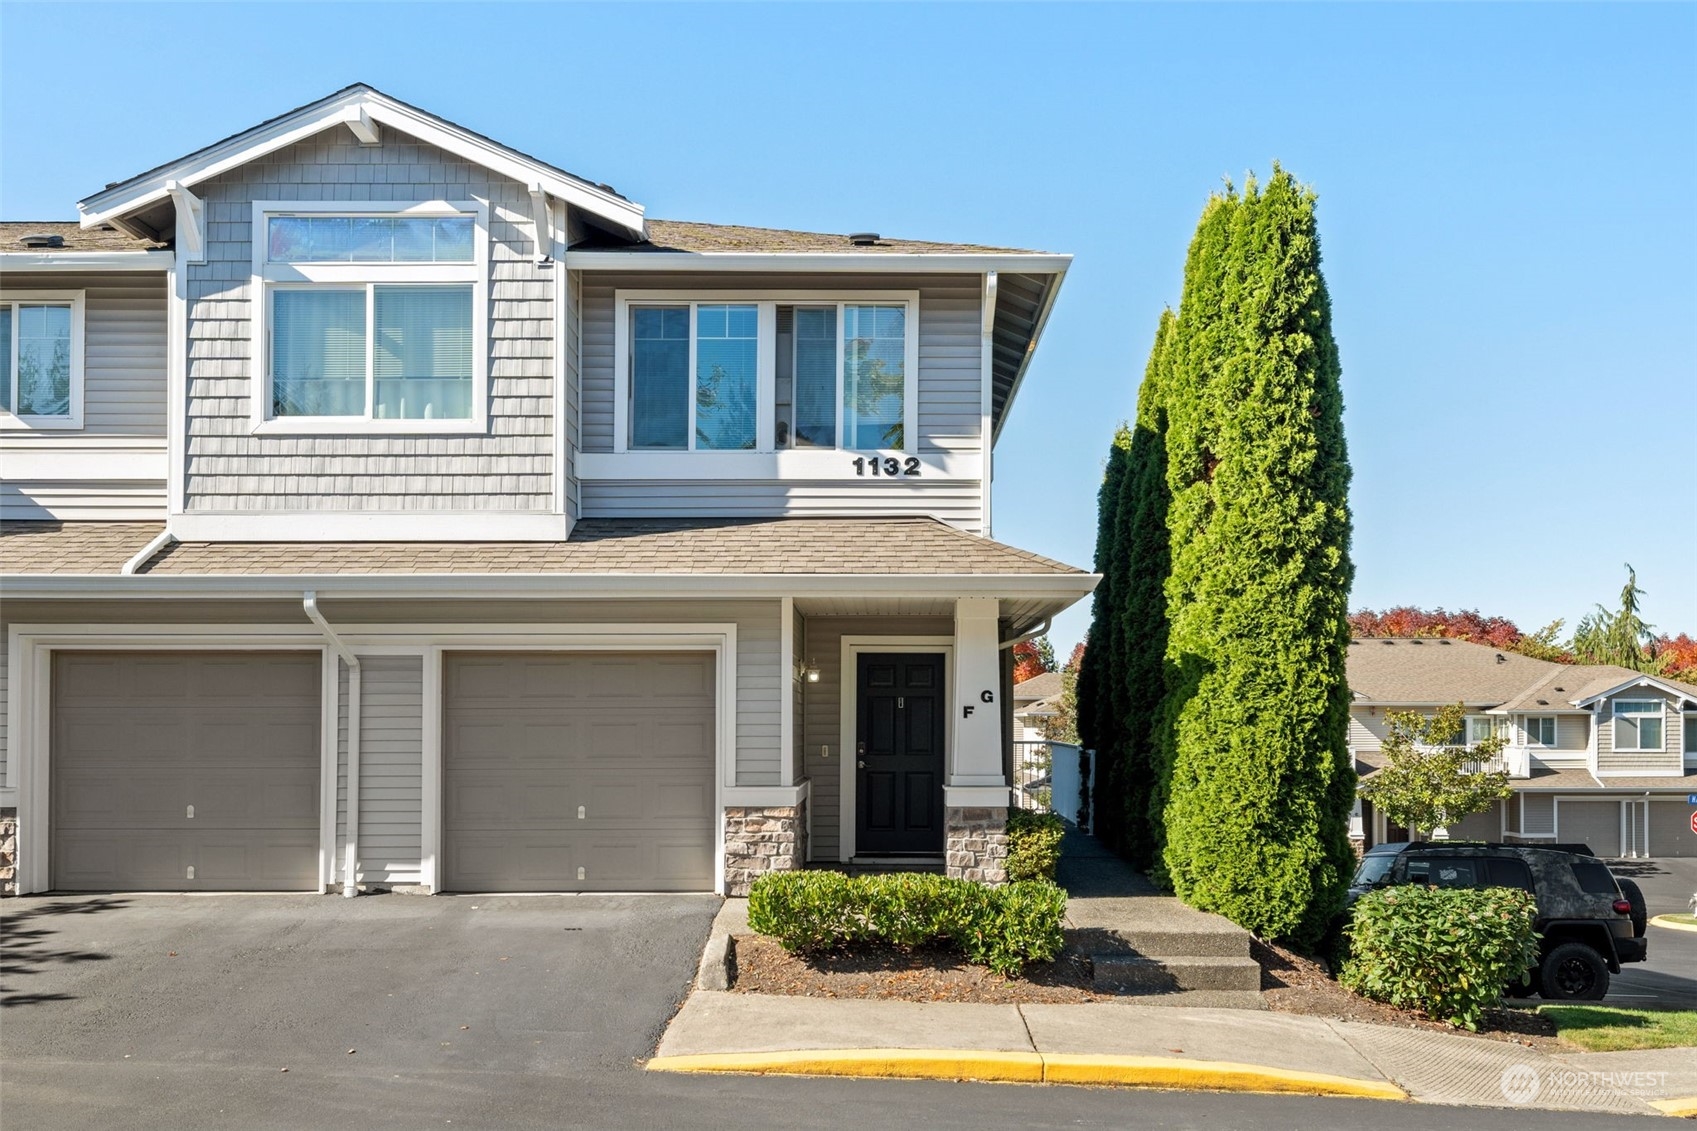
(580, 812)
(191, 812)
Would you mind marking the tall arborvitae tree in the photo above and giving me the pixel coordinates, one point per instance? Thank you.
(1095, 672)
(1257, 715)
(1143, 604)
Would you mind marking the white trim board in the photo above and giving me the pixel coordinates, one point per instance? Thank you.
(369, 526)
(80, 261)
(848, 707)
(882, 263)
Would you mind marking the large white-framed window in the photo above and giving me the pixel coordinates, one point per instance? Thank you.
(370, 317)
(41, 359)
(758, 371)
(1540, 730)
(1639, 724)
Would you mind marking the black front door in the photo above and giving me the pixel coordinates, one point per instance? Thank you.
(899, 754)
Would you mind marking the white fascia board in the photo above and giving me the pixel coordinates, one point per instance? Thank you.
(1637, 681)
(142, 191)
(974, 263)
(374, 526)
(86, 261)
(1062, 588)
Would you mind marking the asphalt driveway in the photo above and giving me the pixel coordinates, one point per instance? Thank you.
(387, 987)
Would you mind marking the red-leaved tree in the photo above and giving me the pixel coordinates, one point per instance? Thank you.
(1678, 656)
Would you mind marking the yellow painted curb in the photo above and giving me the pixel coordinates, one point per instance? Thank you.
(906, 1064)
(1033, 1068)
(1667, 921)
(1685, 1107)
(1207, 1075)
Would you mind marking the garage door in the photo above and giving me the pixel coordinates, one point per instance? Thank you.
(185, 771)
(578, 772)
(1596, 823)
(1670, 828)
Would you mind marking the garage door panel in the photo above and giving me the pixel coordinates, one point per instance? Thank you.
(529, 738)
(1596, 823)
(139, 738)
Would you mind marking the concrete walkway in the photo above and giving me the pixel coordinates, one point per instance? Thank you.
(1216, 1049)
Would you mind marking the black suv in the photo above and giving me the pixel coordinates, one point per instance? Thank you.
(1589, 921)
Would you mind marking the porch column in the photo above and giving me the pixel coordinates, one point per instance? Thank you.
(975, 798)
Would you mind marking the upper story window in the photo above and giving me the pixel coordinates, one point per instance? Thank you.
(1474, 730)
(372, 317)
(1638, 724)
(41, 359)
(1540, 730)
(765, 373)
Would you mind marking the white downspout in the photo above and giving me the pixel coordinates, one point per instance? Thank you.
(350, 860)
(145, 554)
(1032, 635)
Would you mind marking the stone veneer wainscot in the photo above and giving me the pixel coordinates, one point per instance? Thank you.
(760, 840)
(977, 847)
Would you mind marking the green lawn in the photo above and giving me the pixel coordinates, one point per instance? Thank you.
(1682, 920)
(1606, 1028)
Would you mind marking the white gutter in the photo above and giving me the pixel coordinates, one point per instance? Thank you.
(350, 871)
(1064, 586)
(160, 541)
(877, 262)
(102, 261)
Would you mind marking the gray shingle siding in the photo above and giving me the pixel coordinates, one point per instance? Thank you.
(229, 469)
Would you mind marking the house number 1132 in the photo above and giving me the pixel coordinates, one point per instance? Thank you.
(888, 465)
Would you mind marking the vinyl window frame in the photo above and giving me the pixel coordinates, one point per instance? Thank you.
(1660, 714)
(767, 303)
(10, 419)
(270, 277)
(1534, 738)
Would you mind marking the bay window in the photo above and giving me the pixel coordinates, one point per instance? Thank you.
(767, 373)
(41, 359)
(371, 322)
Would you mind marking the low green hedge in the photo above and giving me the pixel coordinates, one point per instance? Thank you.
(1034, 845)
(1004, 928)
(1445, 951)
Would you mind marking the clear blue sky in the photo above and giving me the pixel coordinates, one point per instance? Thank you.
(1505, 200)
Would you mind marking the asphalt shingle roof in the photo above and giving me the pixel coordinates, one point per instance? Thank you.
(76, 237)
(1413, 671)
(1037, 687)
(598, 546)
(685, 235)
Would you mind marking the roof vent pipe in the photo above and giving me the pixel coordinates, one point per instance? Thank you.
(863, 239)
(41, 241)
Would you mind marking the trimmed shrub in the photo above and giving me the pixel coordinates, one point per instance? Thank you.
(1004, 928)
(1447, 952)
(1034, 845)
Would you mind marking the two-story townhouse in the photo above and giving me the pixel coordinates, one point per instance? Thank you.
(385, 507)
(1596, 754)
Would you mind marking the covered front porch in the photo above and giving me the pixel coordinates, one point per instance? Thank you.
(898, 725)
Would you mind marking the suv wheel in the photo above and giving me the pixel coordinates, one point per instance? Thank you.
(1574, 972)
(1635, 896)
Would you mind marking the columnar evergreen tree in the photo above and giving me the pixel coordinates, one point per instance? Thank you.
(1142, 523)
(1098, 670)
(1256, 715)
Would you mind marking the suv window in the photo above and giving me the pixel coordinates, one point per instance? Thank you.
(1509, 873)
(1374, 868)
(1444, 872)
(1594, 878)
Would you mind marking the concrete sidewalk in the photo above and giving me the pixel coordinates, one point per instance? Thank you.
(1150, 1046)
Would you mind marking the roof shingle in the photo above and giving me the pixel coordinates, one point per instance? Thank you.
(685, 235)
(76, 237)
(598, 546)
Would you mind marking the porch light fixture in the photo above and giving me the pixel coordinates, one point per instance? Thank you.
(812, 672)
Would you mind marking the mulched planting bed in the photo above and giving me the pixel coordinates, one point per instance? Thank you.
(1295, 983)
(892, 973)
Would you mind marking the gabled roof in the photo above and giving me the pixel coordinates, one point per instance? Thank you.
(1409, 672)
(357, 103)
(697, 238)
(1623, 679)
(1043, 686)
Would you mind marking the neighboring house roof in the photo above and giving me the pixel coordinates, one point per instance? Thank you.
(683, 235)
(1044, 686)
(907, 546)
(75, 237)
(1603, 687)
(123, 200)
(1433, 672)
(1568, 684)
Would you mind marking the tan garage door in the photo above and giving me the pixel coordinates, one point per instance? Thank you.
(1670, 828)
(1596, 823)
(185, 771)
(578, 772)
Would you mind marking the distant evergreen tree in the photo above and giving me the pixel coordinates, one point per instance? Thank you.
(1098, 669)
(1253, 731)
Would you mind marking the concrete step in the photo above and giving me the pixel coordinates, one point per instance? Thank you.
(1125, 973)
(1200, 999)
(1154, 942)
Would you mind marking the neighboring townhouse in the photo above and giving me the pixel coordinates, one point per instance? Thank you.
(1035, 701)
(1597, 754)
(387, 508)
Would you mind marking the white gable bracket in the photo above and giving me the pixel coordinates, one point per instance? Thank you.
(542, 221)
(191, 223)
(365, 130)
